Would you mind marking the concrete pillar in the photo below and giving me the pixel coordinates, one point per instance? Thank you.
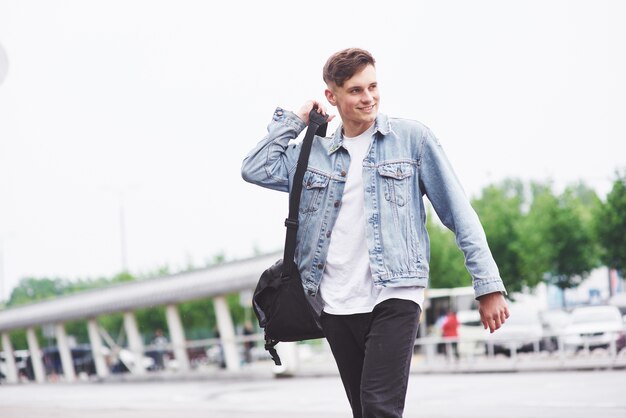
(102, 370)
(64, 352)
(135, 343)
(227, 333)
(35, 355)
(9, 359)
(177, 334)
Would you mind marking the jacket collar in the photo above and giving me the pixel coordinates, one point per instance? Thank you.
(383, 125)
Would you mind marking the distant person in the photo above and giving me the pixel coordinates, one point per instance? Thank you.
(362, 246)
(160, 343)
(220, 348)
(437, 329)
(248, 345)
(450, 329)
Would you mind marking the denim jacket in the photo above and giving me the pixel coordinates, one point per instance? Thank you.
(405, 162)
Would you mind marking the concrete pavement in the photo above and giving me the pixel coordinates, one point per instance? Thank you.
(485, 395)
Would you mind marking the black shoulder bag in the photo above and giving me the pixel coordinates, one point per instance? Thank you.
(279, 301)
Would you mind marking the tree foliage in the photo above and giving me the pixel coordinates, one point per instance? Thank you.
(500, 210)
(574, 252)
(447, 267)
(533, 235)
(611, 226)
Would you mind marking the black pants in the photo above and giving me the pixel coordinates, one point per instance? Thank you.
(373, 353)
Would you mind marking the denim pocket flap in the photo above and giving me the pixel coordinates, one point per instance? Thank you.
(397, 171)
(314, 180)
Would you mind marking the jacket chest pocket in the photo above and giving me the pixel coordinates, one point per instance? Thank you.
(313, 187)
(396, 178)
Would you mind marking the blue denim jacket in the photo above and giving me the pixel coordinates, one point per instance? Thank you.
(405, 161)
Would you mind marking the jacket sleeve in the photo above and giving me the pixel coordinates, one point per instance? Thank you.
(448, 198)
(273, 160)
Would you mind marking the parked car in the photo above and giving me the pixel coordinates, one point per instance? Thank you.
(595, 327)
(22, 365)
(554, 323)
(521, 332)
(471, 333)
(82, 359)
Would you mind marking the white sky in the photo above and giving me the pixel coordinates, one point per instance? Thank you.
(159, 101)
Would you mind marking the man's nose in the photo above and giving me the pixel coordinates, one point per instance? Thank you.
(367, 96)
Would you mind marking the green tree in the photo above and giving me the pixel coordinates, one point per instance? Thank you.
(447, 265)
(610, 226)
(500, 210)
(31, 289)
(571, 236)
(532, 243)
(149, 320)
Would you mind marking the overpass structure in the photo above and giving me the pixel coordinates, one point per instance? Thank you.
(213, 282)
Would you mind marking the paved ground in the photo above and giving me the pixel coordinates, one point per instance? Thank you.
(486, 395)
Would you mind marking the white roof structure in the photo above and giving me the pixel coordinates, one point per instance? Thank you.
(212, 281)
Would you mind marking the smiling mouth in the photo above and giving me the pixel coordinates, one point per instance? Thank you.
(367, 108)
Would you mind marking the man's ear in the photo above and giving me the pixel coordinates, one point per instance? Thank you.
(330, 96)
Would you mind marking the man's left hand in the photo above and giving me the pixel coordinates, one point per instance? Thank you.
(493, 310)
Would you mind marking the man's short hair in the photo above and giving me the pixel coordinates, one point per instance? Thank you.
(344, 64)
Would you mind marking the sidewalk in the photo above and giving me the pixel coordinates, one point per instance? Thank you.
(484, 395)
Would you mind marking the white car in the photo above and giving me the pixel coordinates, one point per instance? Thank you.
(554, 323)
(21, 363)
(595, 326)
(521, 332)
(471, 333)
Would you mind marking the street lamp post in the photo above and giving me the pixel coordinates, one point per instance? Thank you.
(124, 256)
(4, 64)
(1, 269)
(4, 70)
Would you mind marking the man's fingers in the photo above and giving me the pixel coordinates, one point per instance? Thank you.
(322, 111)
(504, 316)
(485, 323)
(497, 323)
(489, 324)
(493, 322)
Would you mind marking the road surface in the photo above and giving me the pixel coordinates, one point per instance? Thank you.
(484, 395)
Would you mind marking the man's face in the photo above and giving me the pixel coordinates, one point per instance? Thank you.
(356, 101)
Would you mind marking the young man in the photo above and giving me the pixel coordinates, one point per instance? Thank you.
(362, 243)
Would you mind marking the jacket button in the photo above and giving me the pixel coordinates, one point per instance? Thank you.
(343, 173)
(279, 113)
(328, 234)
(337, 203)
(320, 266)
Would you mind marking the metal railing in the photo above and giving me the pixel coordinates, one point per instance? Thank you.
(551, 352)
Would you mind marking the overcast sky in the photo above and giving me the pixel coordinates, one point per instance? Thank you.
(155, 104)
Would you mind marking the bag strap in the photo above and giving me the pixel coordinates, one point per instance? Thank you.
(270, 347)
(317, 126)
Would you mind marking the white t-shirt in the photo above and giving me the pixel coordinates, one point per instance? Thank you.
(347, 285)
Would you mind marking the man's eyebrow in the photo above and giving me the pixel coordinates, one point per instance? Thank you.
(357, 86)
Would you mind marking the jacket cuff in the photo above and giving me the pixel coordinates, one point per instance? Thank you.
(288, 118)
(484, 287)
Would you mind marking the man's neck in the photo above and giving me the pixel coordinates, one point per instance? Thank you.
(353, 131)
